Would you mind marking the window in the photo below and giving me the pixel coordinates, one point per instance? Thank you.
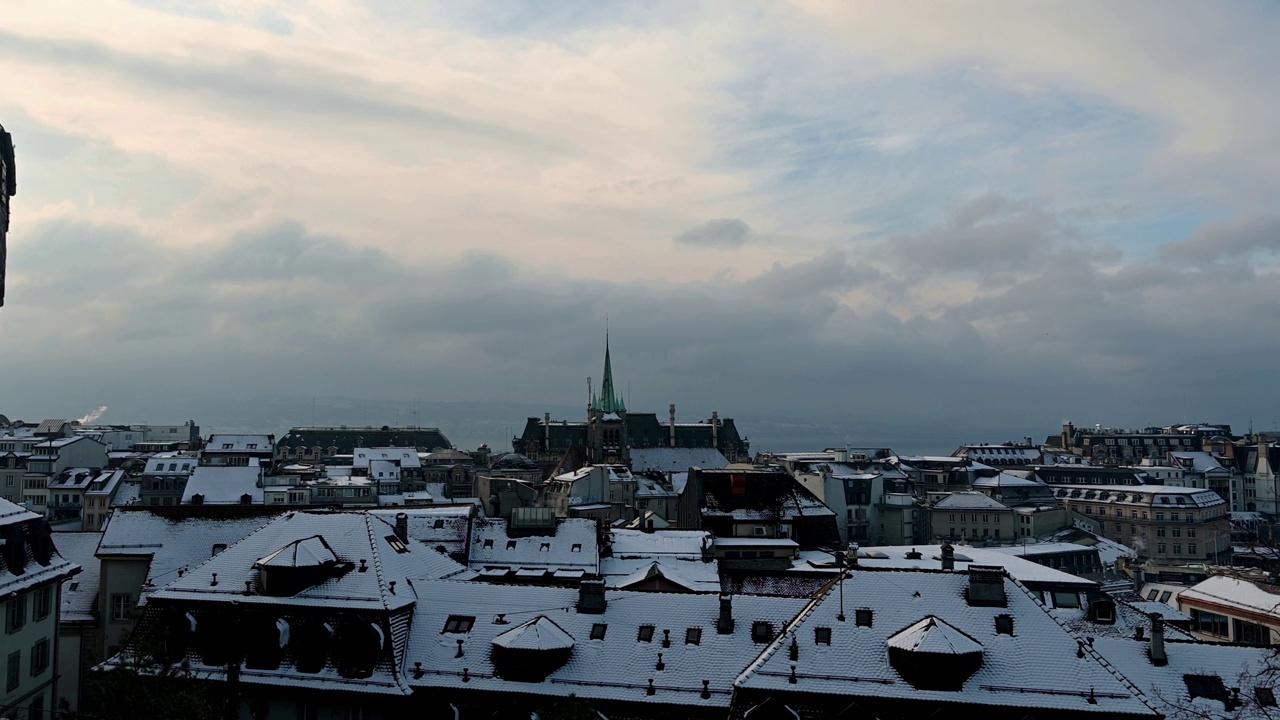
(40, 657)
(1266, 697)
(15, 614)
(511, 544)
(1159, 532)
(1004, 624)
(645, 634)
(822, 636)
(44, 602)
(761, 632)
(598, 630)
(488, 543)
(438, 524)
(219, 547)
(120, 606)
(1192, 549)
(862, 617)
(693, 636)
(1177, 548)
(1209, 623)
(1191, 532)
(1161, 548)
(458, 624)
(544, 547)
(14, 670)
(1066, 599)
(396, 544)
(1247, 632)
(1177, 532)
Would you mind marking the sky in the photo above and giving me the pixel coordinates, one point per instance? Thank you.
(838, 222)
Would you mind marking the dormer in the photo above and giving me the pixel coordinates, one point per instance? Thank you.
(297, 566)
(531, 651)
(932, 654)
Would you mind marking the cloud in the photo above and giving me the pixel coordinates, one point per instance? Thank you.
(725, 232)
(1226, 240)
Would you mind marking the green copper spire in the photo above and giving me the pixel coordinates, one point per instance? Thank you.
(608, 401)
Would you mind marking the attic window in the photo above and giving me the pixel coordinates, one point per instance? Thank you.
(693, 636)
(862, 617)
(1206, 686)
(598, 630)
(822, 636)
(577, 547)
(458, 624)
(544, 547)
(76, 584)
(488, 543)
(219, 547)
(511, 544)
(438, 524)
(645, 634)
(396, 544)
(761, 632)
(1266, 697)
(1004, 624)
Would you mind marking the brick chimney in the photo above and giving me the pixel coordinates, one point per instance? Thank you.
(948, 557)
(986, 586)
(1158, 655)
(591, 599)
(402, 527)
(725, 624)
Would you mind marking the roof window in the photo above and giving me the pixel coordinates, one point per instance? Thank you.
(1004, 624)
(598, 630)
(458, 624)
(862, 617)
(488, 543)
(645, 634)
(396, 544)
(822, 636)
(438, 524)
(761, 632)
(511, 544)
(1266, 697)
(544, 547)
(577, 547)
(693, 636)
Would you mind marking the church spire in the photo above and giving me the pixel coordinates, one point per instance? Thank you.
(608, 401)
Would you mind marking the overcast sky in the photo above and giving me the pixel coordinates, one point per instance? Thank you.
(987, 217)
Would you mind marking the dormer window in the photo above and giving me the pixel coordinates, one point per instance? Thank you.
(645, 634)
(862, 617)
(218, 547)
(544, 547)
(458, 624)
(438, 524)
(598, 630)
(227, 446)
(693, 636)
(761, 632)
(511, 544)
(822, 636)
(577, 547)
(488, 543)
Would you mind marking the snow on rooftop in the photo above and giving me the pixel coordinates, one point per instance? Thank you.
(969, 501)
(224, 485)
(1025, 571)
(1237, 593)
(80, 592)
(669, 459)
(1166, 686)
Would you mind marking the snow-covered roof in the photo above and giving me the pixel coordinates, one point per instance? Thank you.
(573, 547)
(169, 465)
(402, 456)
(676, 459)
(688, 543)
(1199, 462)
(1237, 593)
(80, 592)
(436, 527)
(614, 665)
(1041, 548)
(540, 633)
(1036, 666)
(969, 501)
(936, 637)
(1166, 686)
(223, 485)
(33, 573)
(692, 575)
(1024, 571)
(224, 443)
(349, 536)
(171, 543)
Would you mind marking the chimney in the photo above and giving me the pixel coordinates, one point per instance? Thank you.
(948, 557)
(672, 427)
(853, 555)
(1158, 656)
(725, 625)
(402, 527)
(715, 429)
(546, 431)
(986, 586)
(591, 597)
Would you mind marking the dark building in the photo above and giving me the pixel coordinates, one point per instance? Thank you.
(611, 431)
(328, 441)
(8, 188)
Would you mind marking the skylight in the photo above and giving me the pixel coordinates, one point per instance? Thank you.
(458, 624)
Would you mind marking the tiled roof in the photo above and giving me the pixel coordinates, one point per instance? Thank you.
(969, 501)
(1166, 686)
(1025, 571)
(1038, 666)
(616, 666)
(491, 547)
(80, 592)
(1236, 592)
(676, 459)
(223, 485)
(31, 573)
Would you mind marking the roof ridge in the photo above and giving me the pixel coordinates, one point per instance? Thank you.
(821, 595)
(377, 563)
